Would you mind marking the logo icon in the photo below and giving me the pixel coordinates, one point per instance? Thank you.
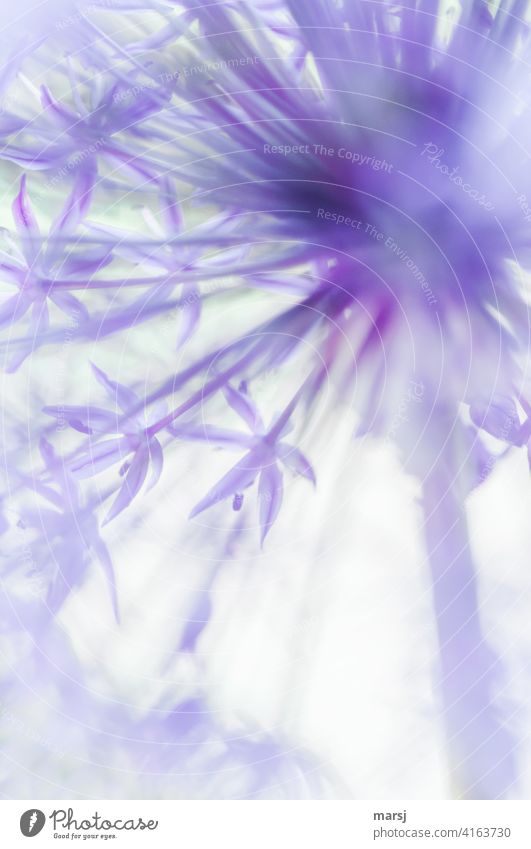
(32, 822)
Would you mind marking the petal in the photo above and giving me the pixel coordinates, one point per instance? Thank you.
(156, 456)
(124, 397)
(50, 494)
(102, 553)
(270, 490)
(196, 624)
(100, 456)
(47, 454)
(239, 477)
(84, 419)
(498, 416)
(134, 479)
(295, 461)
(26, 224)
(78, 202)
(23, 216)
(14, 308)
(68, 500)
(67, 119)
(190, 315)
(242, 404)
(69, 304)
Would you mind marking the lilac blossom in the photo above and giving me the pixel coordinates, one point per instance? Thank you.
(72, 532)
(135, 440)
(265, 452)
(34, 264)
(355, 175)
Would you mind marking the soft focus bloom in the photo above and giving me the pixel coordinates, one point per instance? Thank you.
(265, 452)
(146, 449)
(329, 201)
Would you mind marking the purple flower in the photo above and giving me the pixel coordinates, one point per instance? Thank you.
(70, 532)
(265, 451)
(355, 176)
(135, 440)
(105, 128)
(41, 270)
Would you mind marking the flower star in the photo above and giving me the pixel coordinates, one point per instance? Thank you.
(177, 256)
(71, 530)
(163, 256)
(265, 452)
(36, 262)
(364, 165)
(499, 417)
(134, 439)
(103, 128)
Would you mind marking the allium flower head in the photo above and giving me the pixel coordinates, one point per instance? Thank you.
(265, 219)
(388, 155)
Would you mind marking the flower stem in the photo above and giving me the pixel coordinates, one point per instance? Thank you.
(481, 749)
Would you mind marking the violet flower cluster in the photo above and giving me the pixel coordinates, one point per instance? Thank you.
(308, 207)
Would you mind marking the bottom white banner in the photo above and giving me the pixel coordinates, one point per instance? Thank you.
(261, 825)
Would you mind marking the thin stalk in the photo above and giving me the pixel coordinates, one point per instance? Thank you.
(480, 748)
